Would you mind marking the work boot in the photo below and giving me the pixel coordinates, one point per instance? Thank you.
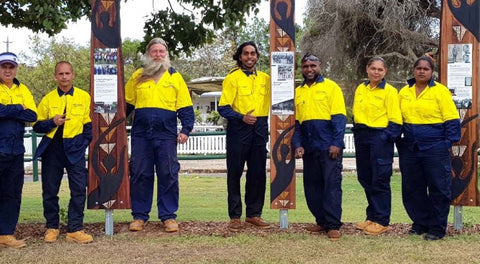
(334, 235)
(314, 228)
(258, 222)
(170, 225)
(235, 225)
(136, 225)
(375, 229)
(79, 237)
(51, 235)
(11, 242)
(362, 225)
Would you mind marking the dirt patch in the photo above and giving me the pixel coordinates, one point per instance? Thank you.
(188, 228)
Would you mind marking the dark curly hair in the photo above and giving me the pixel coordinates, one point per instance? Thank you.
(236, 56)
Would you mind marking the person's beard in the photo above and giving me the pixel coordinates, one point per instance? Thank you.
(154, 68)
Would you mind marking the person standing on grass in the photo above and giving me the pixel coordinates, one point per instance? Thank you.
(17, 107)
(159, 95)
(431, 124)
(377, 123)
(245, 103)
(320, 120)
(64, 118)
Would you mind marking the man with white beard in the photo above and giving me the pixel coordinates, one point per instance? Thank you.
(158, 94)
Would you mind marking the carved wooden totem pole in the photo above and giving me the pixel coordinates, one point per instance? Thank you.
(459, 59)
(108, 156)
(282, 118)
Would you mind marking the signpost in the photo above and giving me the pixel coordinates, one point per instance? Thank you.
(108, 186)
(459, 70)
(282, 117)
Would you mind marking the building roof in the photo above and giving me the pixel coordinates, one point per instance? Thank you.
(206, 84)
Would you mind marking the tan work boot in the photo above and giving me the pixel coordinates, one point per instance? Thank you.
(375, 229)
(258, 222)
(334, 235)
(136, 225)
(79, 237)
(235, 225)
(314, 228)
(362, 225)
(51, 235)
(11, 242)
(170, 225)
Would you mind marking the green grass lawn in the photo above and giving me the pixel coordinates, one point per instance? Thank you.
(204, 198)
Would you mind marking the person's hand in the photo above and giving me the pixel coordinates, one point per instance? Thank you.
(334, 152)
(249, 119)
(182, 138)
(299, 152)
(60, 119)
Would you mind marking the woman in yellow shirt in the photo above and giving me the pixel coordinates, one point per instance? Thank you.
(377, 122)
(430, 125)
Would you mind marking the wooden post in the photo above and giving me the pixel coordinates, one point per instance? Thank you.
(459, 70)
(282, 118)
(108, 186)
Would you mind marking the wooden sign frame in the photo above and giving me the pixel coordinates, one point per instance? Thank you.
(108, 186)
(459, 30)
(282, 158)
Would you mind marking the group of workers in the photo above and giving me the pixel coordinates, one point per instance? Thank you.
(421, 120)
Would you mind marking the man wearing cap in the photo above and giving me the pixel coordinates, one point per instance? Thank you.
(17, 107)
(320, 119)
(159, 95)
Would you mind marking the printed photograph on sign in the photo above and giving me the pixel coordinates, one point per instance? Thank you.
(459, 74)
(283, 82)
(105, 80)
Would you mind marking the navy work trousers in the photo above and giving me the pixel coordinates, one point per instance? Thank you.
(322, 182)
(149, 156)
(374, 158)
(54, 161)
(255, 156)
(426, 187)
(11, 184)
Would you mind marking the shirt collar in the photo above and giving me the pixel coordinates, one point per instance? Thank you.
(380, 85)
(60, 92)
(318, 80)
(248, 73)
(412, 81)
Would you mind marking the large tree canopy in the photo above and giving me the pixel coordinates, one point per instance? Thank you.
(345, 34)
(49, 16)
(182, 28)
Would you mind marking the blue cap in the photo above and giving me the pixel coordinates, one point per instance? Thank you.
(8, 57)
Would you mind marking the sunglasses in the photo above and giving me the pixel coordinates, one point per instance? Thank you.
(310, 57)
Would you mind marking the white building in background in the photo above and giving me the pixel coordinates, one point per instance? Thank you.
(206, 94)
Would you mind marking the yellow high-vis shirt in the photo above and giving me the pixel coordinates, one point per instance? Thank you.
(169, 93)
(17, 94)
(77, 103)
(319, 101)
(246, 93)
(375, 107)
(434, 105)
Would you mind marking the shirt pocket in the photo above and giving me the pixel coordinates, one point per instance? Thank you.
(18, 99)
(427, 108)
(78, 109)
(321, 101)
(168, 94)
(143, 92)
(261, 87)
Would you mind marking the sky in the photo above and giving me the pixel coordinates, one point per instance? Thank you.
(133, 16)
